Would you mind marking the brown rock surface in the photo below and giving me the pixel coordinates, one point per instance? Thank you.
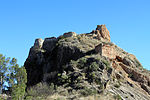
(109, 51)
(103, 32)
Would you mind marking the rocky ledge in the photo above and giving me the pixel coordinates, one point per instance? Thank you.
(81, 65)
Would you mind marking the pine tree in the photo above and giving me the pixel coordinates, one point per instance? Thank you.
(3, 71)
(18, 90)
(14, 76)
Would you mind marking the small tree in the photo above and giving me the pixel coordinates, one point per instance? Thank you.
(14, 76)
(18, 89)
(3, 71)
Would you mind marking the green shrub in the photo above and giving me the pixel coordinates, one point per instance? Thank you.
(41, 90)
(98, 81)
(73, 63)
(79, 78)
(107, 64)
(18, 90)
(91, 76)
(29, 98)
(81, 62)
(86, 91)
(63, 78)
(2, 98)
(94, 66)
(117, 97)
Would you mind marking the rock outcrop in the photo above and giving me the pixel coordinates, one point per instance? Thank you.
(69, 34)
(49, 44)
(38, 43)
(87, 64)
(103, 32)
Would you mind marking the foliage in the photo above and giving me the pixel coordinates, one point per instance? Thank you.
(73, 63)
(107, 64)
(117, 97)
(94, 66)
(82, 62)
(41, 90)
(63, 78)
(18, 90)
(87, 91)
(3, 71)
(14, 76)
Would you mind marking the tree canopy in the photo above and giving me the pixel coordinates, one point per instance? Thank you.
(12, 77)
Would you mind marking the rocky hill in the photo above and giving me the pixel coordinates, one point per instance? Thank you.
(86, 67)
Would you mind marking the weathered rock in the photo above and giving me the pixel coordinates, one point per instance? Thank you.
(99, 37)
(103, 32)
(135, 75)
(38, 43)
(98, 49)
(49, 44)
(66, 53)
(126, 61)
(69, 34)
(146, 88)
(109, 51)
(40, 64)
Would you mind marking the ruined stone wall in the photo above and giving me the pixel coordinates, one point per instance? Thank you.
(109, 51)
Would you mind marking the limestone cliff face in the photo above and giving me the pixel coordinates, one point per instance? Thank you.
(88, 60)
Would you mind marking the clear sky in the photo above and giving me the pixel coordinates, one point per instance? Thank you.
(22, 21)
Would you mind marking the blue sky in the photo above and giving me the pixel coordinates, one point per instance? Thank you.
(22, 21)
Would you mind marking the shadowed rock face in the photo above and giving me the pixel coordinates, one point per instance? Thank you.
(98, 49)
(49, 44)
(48, 58)
(87, 60)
